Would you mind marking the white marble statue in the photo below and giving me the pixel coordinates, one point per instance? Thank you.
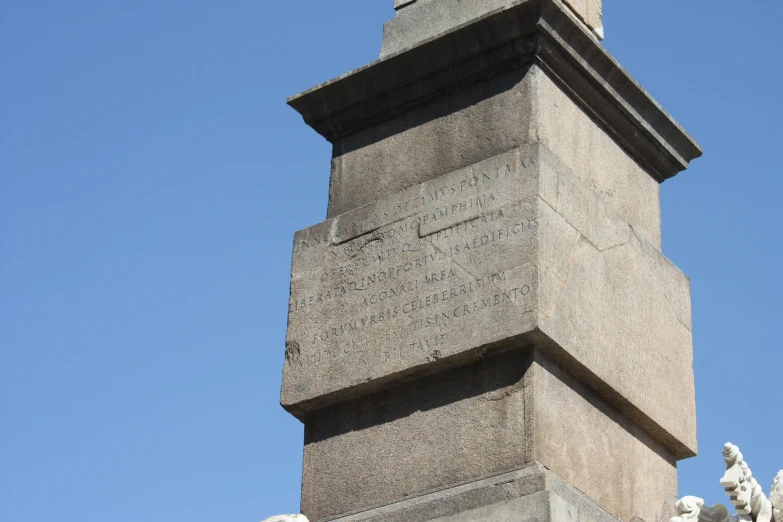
(692, 509)
(744, 493)
(742, 489)
(776, 497)
(688, 509)
(287, 518)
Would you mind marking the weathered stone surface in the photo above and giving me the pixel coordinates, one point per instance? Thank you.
(372, 296)
(512, 245)
(438, 431)
(530, 493)
(605, 290)
(424, 19)
(488, 292)
(399, 4)
(433, 140)
(588, 151)
(595, 448)
(449, 73)
(497, 414)
(589, 11)
(516, 108)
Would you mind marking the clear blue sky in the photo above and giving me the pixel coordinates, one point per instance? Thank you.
(152, 177)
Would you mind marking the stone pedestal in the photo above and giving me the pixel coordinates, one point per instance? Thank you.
(500, 412)
(530, 493)
(488, 294)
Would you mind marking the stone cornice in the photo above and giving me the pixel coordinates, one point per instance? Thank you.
(541, 32)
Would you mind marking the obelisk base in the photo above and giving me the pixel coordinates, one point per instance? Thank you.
(488, 291)
(530, 493)
(499, 414)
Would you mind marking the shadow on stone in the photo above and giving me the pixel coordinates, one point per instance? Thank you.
(498, 374)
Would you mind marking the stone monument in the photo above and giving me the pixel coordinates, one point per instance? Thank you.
(744, 492)
(485, 326)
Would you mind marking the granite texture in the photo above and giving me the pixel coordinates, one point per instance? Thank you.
(438, 431)
(583, 146)
(540, 32)
(425, 19)
(399, 4)
(589, 11)
(513, 246)
(420, 20)
(399, 286)
(498, 414)
(486, 307)
(617, 310)
(530, 493)
(518, 107)
(597, 449)
(452, 132)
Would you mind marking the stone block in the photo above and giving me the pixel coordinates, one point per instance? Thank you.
(503, 412)
(526, 72)
(515, 108)
(439, 431)
(420, 20)
(596, 449)
(595, 156)
(530, 493)
(399, 4)
(612, 301)
(589, 11)
(486, 307)
(514, 247)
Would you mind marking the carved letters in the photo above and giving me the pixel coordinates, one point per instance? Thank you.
(414, 277)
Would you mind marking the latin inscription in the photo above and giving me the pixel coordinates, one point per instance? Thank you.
(415, 277)
(370, 340)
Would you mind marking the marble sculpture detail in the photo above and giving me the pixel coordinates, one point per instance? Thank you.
(744, 492)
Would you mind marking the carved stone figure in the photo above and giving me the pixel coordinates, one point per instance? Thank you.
(734, 480)
(744, 492)
(692, 509)
(688, 509)
(287, 518)
(776, 497)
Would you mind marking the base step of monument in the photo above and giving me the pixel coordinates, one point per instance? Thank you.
(527, 494)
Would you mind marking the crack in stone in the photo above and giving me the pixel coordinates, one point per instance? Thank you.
(624, 243)
(360, 250)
